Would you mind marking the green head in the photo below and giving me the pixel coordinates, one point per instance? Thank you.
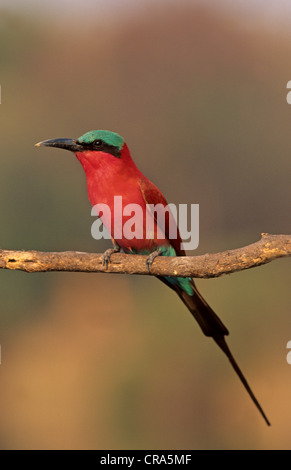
(98, 141)
(107, 137)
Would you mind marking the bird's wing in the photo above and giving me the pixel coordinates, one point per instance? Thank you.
(152, 195)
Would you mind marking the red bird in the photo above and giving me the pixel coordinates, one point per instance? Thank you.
(111, 172)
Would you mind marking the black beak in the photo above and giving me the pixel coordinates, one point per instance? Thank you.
(67, 144)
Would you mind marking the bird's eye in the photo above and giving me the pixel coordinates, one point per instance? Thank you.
(98, 142)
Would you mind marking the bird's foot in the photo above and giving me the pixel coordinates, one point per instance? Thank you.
(152, 256)
(107, 255)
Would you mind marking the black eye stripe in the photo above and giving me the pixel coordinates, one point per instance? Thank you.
(101, 146)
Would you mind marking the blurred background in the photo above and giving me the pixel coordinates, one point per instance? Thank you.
(198, 90)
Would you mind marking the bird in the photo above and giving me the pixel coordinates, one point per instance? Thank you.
(110, 171)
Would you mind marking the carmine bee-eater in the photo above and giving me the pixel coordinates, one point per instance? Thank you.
(110, 172)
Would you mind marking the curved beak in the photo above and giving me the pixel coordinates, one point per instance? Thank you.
(67, 144)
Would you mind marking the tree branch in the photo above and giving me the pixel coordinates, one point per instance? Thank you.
(268, 248)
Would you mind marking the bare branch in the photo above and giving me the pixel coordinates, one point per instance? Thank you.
(268, 248)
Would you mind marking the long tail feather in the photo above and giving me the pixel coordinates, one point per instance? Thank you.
(224, 347)
(211, 325)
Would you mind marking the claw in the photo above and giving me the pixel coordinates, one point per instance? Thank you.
(107, 255)
(151, 258)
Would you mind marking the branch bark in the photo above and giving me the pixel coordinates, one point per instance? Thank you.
(268, 248)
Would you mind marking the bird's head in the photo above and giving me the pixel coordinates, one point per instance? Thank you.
(95, 148)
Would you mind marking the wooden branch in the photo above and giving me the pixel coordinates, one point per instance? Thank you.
(268, 248)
